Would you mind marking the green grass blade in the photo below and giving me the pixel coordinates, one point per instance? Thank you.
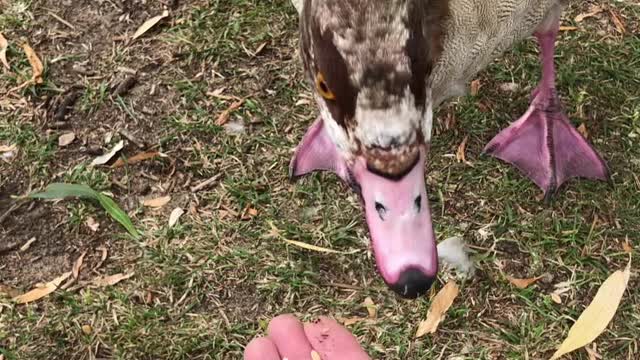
(62, 191)
(118, 214)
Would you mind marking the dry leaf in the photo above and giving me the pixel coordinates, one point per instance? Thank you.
(350, 321)
(371, 307)
(66, 139)
(617, 22)
(36, 64)
(224, 117)
(626, 246)
(4, 44)
(92, 224)
(248, 213)
(440, 304)
(135, 159)
(157, 202)
(103, 159)
(87, 329)
(78, 265)
(103, 257)
(523, 283)
(315, 248)
(595, 318)
(595, 10)
(567, 28)
(475, 87)
(582, 129)
(275, 233)
(26, 245)
(556, 298)
(509, 87)
(460, 153)
(111, 279)
(149, 24)
(40, 292)
(7, 148)
(175, 215)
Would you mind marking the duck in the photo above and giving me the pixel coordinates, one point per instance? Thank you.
(379, 68)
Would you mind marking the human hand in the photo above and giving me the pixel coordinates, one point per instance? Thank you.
(288, 338)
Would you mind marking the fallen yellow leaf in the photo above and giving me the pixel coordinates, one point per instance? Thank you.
(523, 283)
(157, 202)
(275, 232)
(7, 148)
(87, 329)
(224, 116)
(595, 318)
(582, 129)
(4, 44)
(36, 64)
(475, 87)
(149, 24)
(174, 216)
(595, 10)
(40, 292)
(135, 159)
(460, 153)
(371, 307)
(111, 279)
(440, 304)
(567, 28)
(617, 22)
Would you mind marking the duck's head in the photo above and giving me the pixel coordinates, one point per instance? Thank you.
(369, 63)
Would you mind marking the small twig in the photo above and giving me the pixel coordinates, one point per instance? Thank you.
(206, 183)
(13, 208)
(132, 138)
(65, 22)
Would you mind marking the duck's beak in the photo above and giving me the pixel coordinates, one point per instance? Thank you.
(399, 219)
(397, 212)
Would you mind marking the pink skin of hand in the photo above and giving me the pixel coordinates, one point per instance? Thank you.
(288, 338)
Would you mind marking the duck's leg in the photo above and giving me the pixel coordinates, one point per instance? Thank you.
(543, 144)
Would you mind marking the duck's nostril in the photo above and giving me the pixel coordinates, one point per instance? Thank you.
(382, 211)
(418, 203)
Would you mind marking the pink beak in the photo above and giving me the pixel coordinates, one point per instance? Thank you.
(397, 212)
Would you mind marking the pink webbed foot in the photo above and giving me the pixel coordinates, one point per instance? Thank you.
(546, 147)
(543, 144)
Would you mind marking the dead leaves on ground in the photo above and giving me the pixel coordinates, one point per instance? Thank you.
(596, 317)
(147, 25)
(523, 283)
(66, 139)
(595, 10)
(439, 306)
(157, 202)
(111, 280)
(36, 65)
(224, 116)
(40, 292)
(103, 159)
(4, 45)
(139, 157)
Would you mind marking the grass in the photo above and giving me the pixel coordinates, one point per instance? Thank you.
(204, 288)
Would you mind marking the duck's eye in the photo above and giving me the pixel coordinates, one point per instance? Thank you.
(323, 88)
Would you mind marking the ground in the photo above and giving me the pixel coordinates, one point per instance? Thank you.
(204, 287)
